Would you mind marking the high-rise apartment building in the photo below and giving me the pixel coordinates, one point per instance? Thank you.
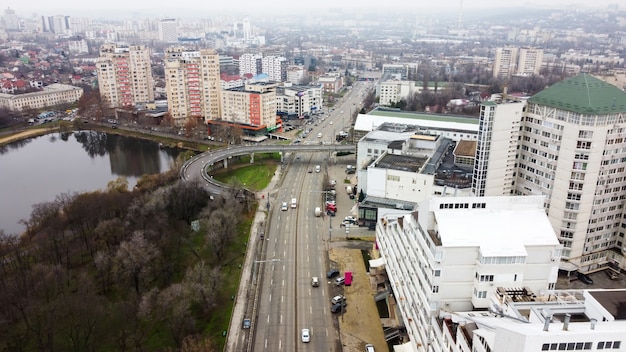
(529, 61)
(168, 28)
(571, 148)
(505, 62)
(275, 67)
(125, 75)
(10, 21)
(254, 104)
(511, 61)
(192, 81)
(453, 253)
(250, 63)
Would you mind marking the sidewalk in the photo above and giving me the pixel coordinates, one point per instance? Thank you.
(245, 298)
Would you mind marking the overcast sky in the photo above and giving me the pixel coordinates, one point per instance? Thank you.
(206, 8)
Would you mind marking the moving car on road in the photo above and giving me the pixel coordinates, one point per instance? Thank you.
(306, 335)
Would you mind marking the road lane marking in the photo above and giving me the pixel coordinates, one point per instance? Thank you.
(270, 297)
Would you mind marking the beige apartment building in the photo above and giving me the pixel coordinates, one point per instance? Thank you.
(193, 86)
(567, 143)
(125, 75)
(54, 94)
(253, 105)
(511, 61)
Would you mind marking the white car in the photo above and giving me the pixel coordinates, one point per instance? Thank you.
(306, 335)
(283, 207)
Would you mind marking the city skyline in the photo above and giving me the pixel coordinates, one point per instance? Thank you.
(191, 9)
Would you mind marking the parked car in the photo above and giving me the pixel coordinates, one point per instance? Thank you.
(585, 278)
(340, 280)
(337, 299)
(332, 273)
(369, 348)
(336, 308)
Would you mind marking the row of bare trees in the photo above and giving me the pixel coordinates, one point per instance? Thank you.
(117, 269)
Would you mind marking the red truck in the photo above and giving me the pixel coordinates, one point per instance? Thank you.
(348, 276)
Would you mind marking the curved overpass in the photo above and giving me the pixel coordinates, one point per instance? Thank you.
(196, 167)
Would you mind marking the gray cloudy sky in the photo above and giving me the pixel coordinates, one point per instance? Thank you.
(207, 7)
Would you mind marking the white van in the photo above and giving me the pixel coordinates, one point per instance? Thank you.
(319, 135)
(294, 203)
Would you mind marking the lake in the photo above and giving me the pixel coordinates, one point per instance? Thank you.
(38, 169)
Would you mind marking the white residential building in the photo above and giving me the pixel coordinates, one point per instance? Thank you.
(168, 30)
(250, 63)
(571, 148)
(391, 92)
(299, 100)
(454, 252)
(275, 67)
(295, 74)
(521, 320)
(496, 152)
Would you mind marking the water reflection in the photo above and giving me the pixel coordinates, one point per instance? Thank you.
(40, 168)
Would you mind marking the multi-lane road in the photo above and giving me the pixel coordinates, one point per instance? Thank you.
(296, 250)
(295, 245)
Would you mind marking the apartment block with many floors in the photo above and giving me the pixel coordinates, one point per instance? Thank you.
(193, 84)
(252, 105)
(453, 253)
(125, 75)
(571, 148)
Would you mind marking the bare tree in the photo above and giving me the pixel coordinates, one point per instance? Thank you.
(135, 259)
(221, 227)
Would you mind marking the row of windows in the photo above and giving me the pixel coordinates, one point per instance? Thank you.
(502, 260)
(578, 346)
(462, 205)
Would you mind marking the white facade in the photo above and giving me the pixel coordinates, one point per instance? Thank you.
(571, 148)
(295, 74)
(391, 92)
(250, 63)
(442, 125)
(496, 151)
(168, 30)
(78, 47)
(454, 252)
(299, 100)
(275, 67)
(531, 321)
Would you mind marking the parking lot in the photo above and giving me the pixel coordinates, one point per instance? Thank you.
(600, 280)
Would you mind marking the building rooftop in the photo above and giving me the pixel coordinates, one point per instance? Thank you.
(401, 162)
(394, 117)
(614, 301)
(583, 94)
(465, 148)
(485, 228)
